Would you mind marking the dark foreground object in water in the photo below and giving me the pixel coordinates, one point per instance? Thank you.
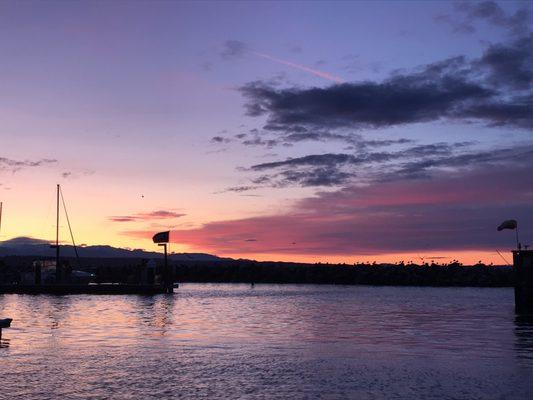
(85, 289)
(523, 290)
(4, 323)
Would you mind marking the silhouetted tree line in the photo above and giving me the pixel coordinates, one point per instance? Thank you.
(245, 271)
(346, 274)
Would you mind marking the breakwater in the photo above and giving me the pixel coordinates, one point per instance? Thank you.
(129, 271)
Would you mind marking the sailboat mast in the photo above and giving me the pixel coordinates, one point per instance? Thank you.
(58, 271)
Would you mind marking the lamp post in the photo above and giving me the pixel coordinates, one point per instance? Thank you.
(523, 272)
(162, 239)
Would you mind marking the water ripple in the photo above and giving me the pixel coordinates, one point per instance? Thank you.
(268, 342)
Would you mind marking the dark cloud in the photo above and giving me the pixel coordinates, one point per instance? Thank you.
(257, 141)
(329, 159)
(415, 162)
(316, 136)
(314, 170)
(470, 12)
(424, 167)
(76, 174)
(287, 129)
(220, 139)
(295, 134)
(518, 113)
(239, 189)
(510, 65)
(313, 160)
(398, 101)
(386, 142)
(309, 177)
(494, 90)
(457, 26)
(16, 165)
(327, 176)
(489, 90)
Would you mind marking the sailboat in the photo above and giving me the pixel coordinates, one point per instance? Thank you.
(64, 280)
(60, 273)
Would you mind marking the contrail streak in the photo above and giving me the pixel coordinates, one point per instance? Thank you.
(312, 71)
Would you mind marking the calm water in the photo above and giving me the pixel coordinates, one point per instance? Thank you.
(233, 341)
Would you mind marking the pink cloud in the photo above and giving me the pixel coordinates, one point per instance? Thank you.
(159, 214)
(447, 212)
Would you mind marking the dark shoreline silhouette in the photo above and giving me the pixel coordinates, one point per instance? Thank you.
(128, 270)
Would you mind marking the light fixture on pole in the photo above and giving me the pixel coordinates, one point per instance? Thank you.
(162, 239)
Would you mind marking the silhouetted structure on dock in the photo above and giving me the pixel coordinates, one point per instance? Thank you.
(131, 271)
(36, 277)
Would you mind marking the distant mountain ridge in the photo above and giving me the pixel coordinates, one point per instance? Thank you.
(27, 246)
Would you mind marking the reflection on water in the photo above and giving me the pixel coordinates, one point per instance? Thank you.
(269, 341)
(524, 336)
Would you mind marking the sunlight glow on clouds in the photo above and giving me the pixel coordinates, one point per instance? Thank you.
(244, 147)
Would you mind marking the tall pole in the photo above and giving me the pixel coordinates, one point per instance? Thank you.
(58, 269)
(167, 278)
(1, 216)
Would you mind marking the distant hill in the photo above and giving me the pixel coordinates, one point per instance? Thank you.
(26, 246)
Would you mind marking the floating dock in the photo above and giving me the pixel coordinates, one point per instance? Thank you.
(101, 288)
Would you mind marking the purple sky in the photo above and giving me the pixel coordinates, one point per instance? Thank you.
(185, 115)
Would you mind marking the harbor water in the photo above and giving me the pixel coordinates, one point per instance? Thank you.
(268, 342)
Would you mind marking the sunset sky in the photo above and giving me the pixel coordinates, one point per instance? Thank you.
(304, 131)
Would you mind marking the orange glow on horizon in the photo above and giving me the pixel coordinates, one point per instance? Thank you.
(439, 257)
(469, 257)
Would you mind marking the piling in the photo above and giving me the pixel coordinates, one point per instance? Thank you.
(523, 289)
